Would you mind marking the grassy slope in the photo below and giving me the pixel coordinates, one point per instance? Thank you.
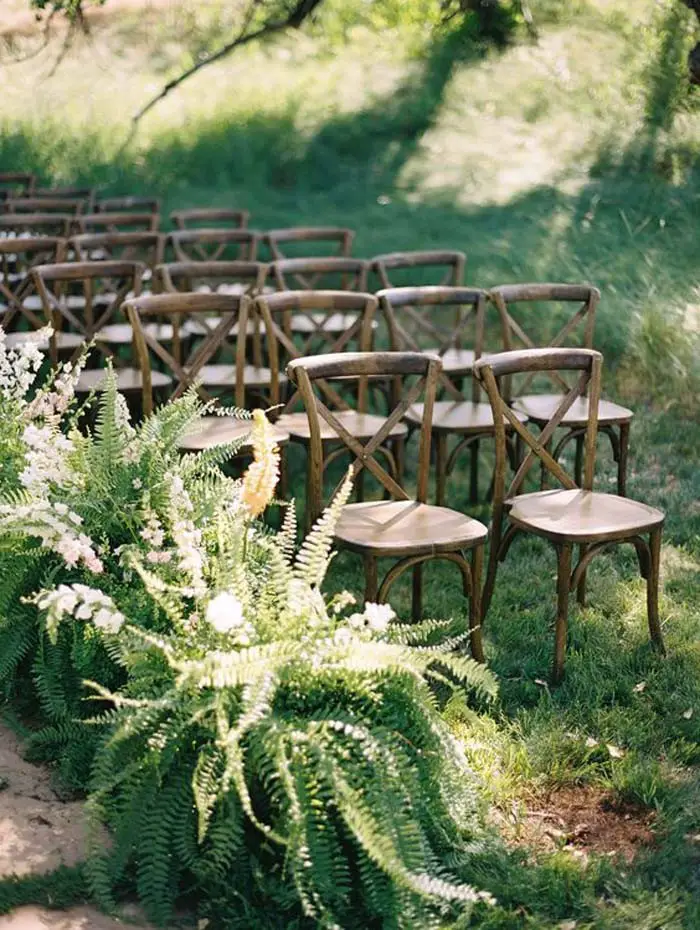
(567, 160)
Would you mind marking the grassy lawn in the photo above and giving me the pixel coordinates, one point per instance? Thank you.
(572, 159)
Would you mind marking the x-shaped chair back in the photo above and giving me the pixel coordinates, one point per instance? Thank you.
(17, 258)
(493, 368)
(103, 288)
(305, 241)
(274, 310)
(70, 205)
(86, 194)
(145, 247)
(522, 315)
(209, 217)
(212, 245)
(437, 319)
(323, 273)
(177, 309)
(216, 276)
(15, 184)
(35, 224)
(128, 205)
(419, 268)
(313, 373)
(123, 221)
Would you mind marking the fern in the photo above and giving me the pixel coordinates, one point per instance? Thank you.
(314, 554)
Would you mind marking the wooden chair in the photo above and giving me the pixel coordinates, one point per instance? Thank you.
(35, 224)
(419, 268)
(274, 310)
(179, 309)
(521, 310)
(16, 184)
(454, 414)
(305, 241)
(404, 528)
(575, 514)
(128, 205)
(212, 245)
(87, 194)
(209, 217)
(69, 293)
(125, 221)
(324, 273)
(20, 305)
(70, 205)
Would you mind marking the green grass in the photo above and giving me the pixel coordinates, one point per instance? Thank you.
(572, 159)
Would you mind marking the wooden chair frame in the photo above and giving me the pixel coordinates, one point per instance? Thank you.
(210, 216)
(10, 181)
(128, 204)
(311, 373)
(306, 272)
(37, 224)
(587, 364)
(86, 194)
(210, 244)
(37, 250)
(454, 262)
(123, 221)
(176, 307)
(71, 205)
(276, 238)
(127, 276)
(146, 247)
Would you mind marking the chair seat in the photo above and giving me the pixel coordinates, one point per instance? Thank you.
(540, 408)
(406, 528)
(225, 376)
(122, 333)
(360, 425)
(455, 361)
(218, 430)
(63, 340)
(128, 379)
(332, 323)
(465, 416)
(582, 516)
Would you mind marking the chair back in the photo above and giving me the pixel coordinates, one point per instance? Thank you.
(122, 221)
(492, 368)
(15, 184)
(35, 224)
(545, 316)
(145, 247)
(22, 306)
(311, 373)
(209, 217)
(83, 297)
(275, 310)
(86, 194)
(215, 276)
(310, 274)
(212, 245)
(417, 268)
(71, 205)
(128, 205)
(178, 310)
(306, 241)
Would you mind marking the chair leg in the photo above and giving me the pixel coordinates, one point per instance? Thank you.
(578, 467)
(417, 599)
(581, 587)
(622, 458)
(653, 590)
(371, 579)
(563, 580)
(474, 472)
(475, 613)
(400, 456)
(440, 468)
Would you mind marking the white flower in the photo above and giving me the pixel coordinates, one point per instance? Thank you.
(106, 619)
(343, 600)
(378, 616)
(84, 612)
(225, 612)
(137, 484)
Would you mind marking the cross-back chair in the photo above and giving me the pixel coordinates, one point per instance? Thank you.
(420, 268)
(70, 293)
(87, 194)
(528, 309)
(122, 221)
(404, 528)
(179, 309)
(304, 241)
(320, 273)
(71, 205)
(211, 244)
(274, 310)
(128, 204)
(15, 184)
(574, 514)
(209, 217)
(458, 313)
(20, 305)
(35, 224)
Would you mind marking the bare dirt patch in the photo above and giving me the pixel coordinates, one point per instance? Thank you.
(583, 821)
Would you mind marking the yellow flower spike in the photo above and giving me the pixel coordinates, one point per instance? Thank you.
(260, 480)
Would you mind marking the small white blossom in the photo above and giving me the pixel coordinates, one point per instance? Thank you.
(225, 612)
